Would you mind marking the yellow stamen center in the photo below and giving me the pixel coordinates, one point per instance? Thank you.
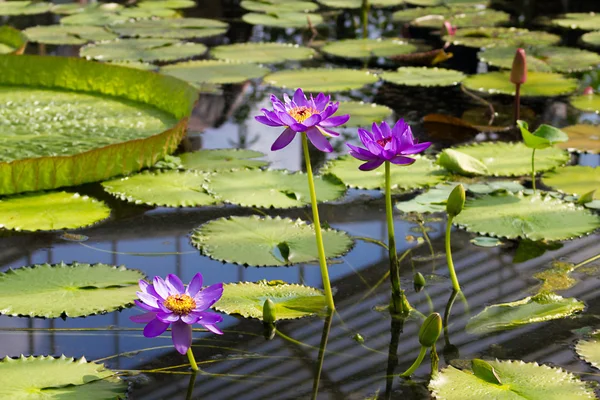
(180, 304)
(302, 113)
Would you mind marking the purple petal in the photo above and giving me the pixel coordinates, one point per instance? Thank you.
(330, 110)
(161, 287)
(148, 299)
(167, 317)
(175, 284)
(214, 329)
(386, 131)
(208, 296)
(284, 139)
(195, 285)
(365, 136)
(377, 134)
(145, 306)
(360, 153)
(298, 127)
(417, 148)
(299, 98)
(143, 285)
(155, 328)
(374, 148)
(266, 121)
(277, 104)
(208, 318)
(328, 132)
(286, 118)
(399, 128)
(190, 318)
(335, 121)
(368, 166)
(312, 120)
(318, 140)
(401, 160)
(181, 333)
(143, 318)
(321, 102)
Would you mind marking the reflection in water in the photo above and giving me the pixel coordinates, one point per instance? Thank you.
(321, 358)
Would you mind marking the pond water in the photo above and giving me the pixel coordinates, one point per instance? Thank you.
(366, 348)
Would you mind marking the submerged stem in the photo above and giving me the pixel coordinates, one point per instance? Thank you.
(190, 389)
(533, 170)
(455, 284)
(317, 225)
(416, 364)
(322, 347)
(192, 360)
(397, 293)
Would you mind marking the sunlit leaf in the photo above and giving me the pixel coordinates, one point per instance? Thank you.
(591, 39)
(12, 41)
(275, 7)
(582, 138)
(174, 4)
(484, 37)
(103, 16)
(363, 114)
(222, 159)
(433, 200)
(258, 241)
(576, 179)
(283, 19)
(262, 52)
(354, 4)
(144, 50)
(589, 350)
(461, 163)
(585, 21)
(172, 28)
(543, 59)
(541, 84)
(214, 71)
(484, 241)
(321, 79)
(8, 8)
(421, 76)
(544, 136)
(587, 102)
(470, 19)
(367, 48)
(66, 34)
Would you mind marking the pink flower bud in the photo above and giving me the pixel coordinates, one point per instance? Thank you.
(449, 29)
(518, 74)
(588, 91)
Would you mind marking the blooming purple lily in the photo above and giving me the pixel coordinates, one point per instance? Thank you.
(300, 114)
(169, 302)
(386, 144)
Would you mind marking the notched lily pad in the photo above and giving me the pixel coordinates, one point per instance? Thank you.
(258, 241)
(202, 72)
(432, 201)
(422, 76)
(321, 79)
(591, 39)
(576, 179)
(583, 21)
(291, 300)
(587, 102)
(265, 53)
(75, 290)
(485, 37)
(222, 159)
(368, 48)
(589, 349)
(539, 84)
(270, 7)
(142, 50)
(67, 34)
(470, 18)
(11, 8)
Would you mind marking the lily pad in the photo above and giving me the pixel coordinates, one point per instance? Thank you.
(163, 188)
(587, 102)
(583, 21)
(519, 380)
(321, 79)
(266, 53)
(485, 37)
(291, 301)
(10, 8)
(484, 241)
(434, 3)
(582, 138)
(12, 41)
(172, 28)
(115, 15)
(58, 378)
(432, 201)
(576, 179)
(79, 7)
(408, 14)
(354, 4)
(222, 159)
(266, 241)
(471, 19)
(198, 73)
(591, 39)
(514, 159)
(589, 350)
(283, 19)
(422, 76)
(144, 50)
(363, 114)
(275, 7)
(368, 48)
(61, 34)
(540, 84)
(50, 211)
(172, 4)
(543, 59)
(76, 290)
(423, 173)
(461, 163)
(534, 217)
(271, 188)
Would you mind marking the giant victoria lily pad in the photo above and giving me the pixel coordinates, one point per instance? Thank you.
(67, 121)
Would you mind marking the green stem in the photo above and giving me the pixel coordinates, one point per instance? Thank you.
(397, 293)
(416, 364)
(533, 169)
(192, 360)
(190, 389)
(365, 17)
(453, 277)
(435, 360)
(589, 260)
(517, 105)
(317, 225)
(322, 347)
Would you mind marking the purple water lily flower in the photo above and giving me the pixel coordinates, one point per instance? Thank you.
(386, 144)
(169, 302)
(300, 114)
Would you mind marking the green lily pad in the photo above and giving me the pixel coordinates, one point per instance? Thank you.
(60, 34)
(485, 37)
(163, 188)
(202, 72)
(135, 64)
(543, 59)
(354, 4)
(587, 102)
(423, 173)
(543, 137)
(434, 3)
(541, 84)
(12, 41)
(172, 28)
(172, 4)
(291, 301)
(583, 21)
(275, 7)
(576, 179)
(76, 290)
(484, 241)
(144, 50)
(471, 19)
(68, 121)
(494, 186)
(266, 241)
(115, 15)
(432, 201)
(222, 159)
(519, 380)
(363, 114)
(321, 79)
(591, 39)
(58, 378)
(10, 8)
(368, 48)
(535, 217)
(50, 211)
(514, 159)
(78, 7)
(589, 350)
(422, 76)
(283, 19)
(271, 188)
(461, 163)
(266, 53)
(408, 14)
(582, 138)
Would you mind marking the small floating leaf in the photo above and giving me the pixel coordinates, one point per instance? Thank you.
(433, 200)
(543, 137)
(283, 19)
(221, 159)
(363, 114)
(144, 50)
(67, 34)
(171, 28)
(265, 53)
(539, 308)
(9, 8)
(251, 241)
(541, 84)
(354, 4)
(75, 290)
(471, 18)
(290, 301)
(461, 163)
(58, 378)
(582, 138)
(173, 4)
(484, 241)
(585, 21)
(591, 39)
(422, 76)
(587, 102)
(214, 71)
(368, 48)
(50, 211)
(576, 179)
(276, 6)
(321, 79)
(485, 37)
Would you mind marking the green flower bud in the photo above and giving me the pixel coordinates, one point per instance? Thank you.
(456, 201)
(269, 311)
(418, 281)
(430, 330)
